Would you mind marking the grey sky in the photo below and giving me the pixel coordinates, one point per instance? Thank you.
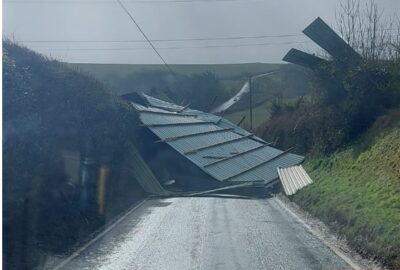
(99, 20)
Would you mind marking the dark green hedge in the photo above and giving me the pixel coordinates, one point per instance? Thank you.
(47, 108)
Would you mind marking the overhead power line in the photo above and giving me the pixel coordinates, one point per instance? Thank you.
(169, 40)
(128, 2)
(180, 47)
(145, 36)
(165, 40)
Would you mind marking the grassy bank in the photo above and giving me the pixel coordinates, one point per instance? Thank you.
(357, 191)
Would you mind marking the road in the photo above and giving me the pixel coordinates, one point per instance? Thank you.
(208, 233)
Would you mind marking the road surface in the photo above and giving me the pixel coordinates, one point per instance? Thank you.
(208, 233)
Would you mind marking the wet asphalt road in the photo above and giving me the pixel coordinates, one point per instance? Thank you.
(208, 233)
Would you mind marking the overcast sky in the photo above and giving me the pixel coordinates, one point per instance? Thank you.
(104, 20)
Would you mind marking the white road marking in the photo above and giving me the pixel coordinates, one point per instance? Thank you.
(337, 251)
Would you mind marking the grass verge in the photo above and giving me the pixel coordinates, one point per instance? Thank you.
(357, 191)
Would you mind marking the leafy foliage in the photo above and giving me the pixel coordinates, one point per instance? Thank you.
(347, 94)
(343, 104)
(199, 90)
(49, 108)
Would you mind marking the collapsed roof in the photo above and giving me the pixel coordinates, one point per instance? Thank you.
(226, 152)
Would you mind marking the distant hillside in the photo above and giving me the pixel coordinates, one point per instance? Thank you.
(124, 77)
(288, 81)
(224, 71)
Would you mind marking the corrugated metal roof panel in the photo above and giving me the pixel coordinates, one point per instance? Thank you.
(293, 179)
(268, 171)
(155, 102)
(143, 174)
(223, 123)
(156, 119)
(155, 110)
(213, 154)
(164, 132)
(227, 152)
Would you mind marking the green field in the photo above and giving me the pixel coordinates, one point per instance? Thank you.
(357, 191)
(232, 76)
(287, 82)
(224, 71)
(260, 115)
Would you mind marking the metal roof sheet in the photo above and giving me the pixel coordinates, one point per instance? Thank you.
(155, 102)
(221, 149)
(293, 179)
(143, 174)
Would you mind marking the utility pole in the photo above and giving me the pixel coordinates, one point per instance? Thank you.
(246, 88)
(251, 93)
(251, 104)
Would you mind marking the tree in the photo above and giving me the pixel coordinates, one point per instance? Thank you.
(367, 31)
